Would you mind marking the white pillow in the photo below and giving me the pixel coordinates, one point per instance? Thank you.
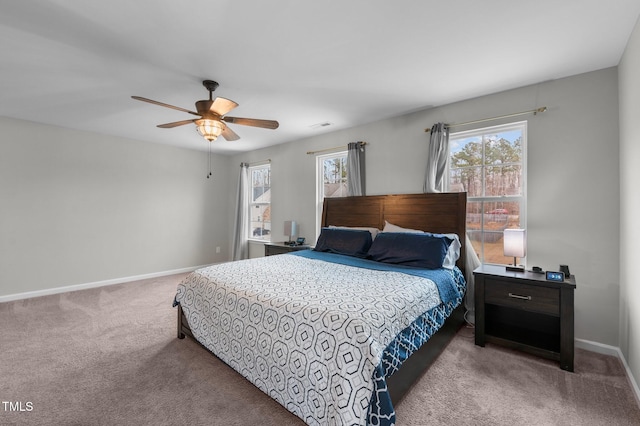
(453, 254)
(374, 231)
(390, 227)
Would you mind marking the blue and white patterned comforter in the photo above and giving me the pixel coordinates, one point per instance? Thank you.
(318, 337)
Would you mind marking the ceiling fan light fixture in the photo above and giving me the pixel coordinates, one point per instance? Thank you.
(213, 116)
(210, 129)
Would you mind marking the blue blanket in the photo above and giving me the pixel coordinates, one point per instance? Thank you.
(443, 278)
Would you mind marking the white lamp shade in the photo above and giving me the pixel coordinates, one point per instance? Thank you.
(290, 228)
(209, 129)
(515, 242)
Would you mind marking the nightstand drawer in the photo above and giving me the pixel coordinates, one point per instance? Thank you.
(522, 296)
(271, 249)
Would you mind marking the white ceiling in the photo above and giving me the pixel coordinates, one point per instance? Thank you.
(75, 63)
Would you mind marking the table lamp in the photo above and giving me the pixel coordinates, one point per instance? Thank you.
(515, 244)
(290, 228)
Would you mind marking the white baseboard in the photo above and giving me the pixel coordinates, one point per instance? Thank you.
(57, 290)
(600, 348)
(615, 351)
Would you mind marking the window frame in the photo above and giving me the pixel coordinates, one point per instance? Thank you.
(484, 199)
(252, 204)
(320, 182)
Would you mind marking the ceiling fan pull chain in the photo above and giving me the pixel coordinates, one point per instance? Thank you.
(209, 175)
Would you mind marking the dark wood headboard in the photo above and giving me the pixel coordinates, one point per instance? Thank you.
(434, 212)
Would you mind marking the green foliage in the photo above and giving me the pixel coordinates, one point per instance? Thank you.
(497, 158)
(335, 169)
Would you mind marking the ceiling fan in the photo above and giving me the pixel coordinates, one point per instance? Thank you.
(212, 121)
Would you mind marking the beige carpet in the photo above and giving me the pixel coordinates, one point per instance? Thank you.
(109, 356)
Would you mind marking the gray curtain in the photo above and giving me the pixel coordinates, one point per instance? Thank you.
(435, 179)
(240, 237)
(355, 169)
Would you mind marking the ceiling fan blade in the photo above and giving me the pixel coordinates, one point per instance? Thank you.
(267, 124)
(139, 98)
(221, 106)
(176, 124)
(229, 134)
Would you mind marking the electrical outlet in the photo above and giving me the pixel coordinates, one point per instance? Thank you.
(217, 249)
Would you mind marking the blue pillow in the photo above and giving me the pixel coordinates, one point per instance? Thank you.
(419, 250)
(349, 242)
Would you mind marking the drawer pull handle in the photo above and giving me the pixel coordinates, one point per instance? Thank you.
(517, 296)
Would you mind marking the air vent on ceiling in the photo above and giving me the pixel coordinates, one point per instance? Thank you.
(319, 125)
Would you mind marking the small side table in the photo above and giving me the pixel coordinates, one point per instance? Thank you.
(271, 249)
(524, 311)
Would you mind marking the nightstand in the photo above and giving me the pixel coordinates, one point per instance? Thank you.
(280, 248)
(524, 311)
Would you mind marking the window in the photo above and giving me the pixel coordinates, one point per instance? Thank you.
(260, 203)
(331, 179)
(489, 164)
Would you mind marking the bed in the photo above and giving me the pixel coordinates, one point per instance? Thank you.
(337, 337)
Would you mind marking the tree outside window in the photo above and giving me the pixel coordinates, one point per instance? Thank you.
(331, 179)
(489, 164)
(334, 176)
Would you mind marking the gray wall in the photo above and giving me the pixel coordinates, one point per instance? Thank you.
(79, 207)
(629, 88)
(573, 183)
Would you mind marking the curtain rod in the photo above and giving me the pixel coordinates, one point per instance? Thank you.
(332, 149)
(533, 111)
(257, 163)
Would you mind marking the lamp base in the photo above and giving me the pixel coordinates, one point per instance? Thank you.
(514, 268)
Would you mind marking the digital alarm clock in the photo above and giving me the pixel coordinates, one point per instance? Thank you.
(555, 276)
